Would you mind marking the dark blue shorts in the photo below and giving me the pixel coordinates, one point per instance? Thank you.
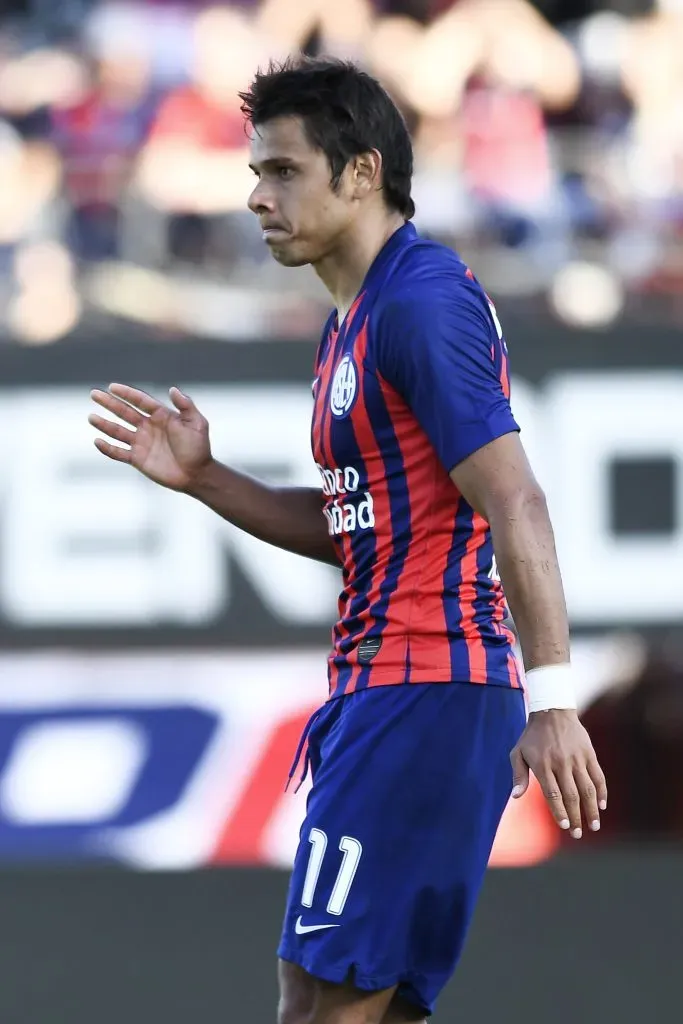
(409, 786)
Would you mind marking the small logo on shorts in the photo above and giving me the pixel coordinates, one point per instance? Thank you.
(368, 648)
(304, 929)
(344, 388)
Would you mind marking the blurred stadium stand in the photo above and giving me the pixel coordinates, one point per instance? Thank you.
(548, 140)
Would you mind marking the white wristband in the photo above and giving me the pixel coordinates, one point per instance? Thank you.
(550, 687)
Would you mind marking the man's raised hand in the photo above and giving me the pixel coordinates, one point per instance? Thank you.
(169, 445)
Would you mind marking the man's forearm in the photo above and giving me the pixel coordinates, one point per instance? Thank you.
(287, 517)
(527, 561)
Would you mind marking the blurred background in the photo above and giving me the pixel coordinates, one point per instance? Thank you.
(156, 666)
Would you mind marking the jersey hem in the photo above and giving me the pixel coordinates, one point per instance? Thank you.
(437, 677)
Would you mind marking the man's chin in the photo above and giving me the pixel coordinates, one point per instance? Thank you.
(287, 256)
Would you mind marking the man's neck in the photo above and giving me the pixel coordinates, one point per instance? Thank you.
(344, 269)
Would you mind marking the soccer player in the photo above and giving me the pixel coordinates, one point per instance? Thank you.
(416, 751)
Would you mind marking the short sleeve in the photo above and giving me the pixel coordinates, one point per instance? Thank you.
(438, 347)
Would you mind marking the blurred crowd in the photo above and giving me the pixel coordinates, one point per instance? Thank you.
(637, 729)
(549, 152)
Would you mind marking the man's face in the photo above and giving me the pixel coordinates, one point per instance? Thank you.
(301, 216)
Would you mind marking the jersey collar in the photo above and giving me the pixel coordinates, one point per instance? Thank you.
(399, 240)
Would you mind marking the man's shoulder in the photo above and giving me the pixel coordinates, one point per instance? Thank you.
(423, 260)
(426, 276)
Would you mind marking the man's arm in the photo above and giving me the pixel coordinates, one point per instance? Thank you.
(440, 344)
(170, 446)
(288, 517)
(499, 484)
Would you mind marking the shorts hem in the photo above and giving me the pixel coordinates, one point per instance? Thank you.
(337, 974)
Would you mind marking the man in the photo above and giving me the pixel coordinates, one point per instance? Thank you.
(423, 474)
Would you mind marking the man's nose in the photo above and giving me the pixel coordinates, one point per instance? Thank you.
(261, 200)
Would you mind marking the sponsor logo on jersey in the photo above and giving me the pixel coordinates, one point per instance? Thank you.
(351, 509)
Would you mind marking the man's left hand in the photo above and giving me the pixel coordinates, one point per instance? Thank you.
(558, 750)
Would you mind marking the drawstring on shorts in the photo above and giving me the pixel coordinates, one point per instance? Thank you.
(297, 757)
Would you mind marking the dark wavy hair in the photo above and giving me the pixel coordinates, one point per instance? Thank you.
(344, 111)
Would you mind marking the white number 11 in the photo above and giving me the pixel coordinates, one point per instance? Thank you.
(351, 850)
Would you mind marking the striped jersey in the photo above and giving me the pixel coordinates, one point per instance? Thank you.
(414, 381)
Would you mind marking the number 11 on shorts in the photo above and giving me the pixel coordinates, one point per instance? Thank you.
(351, 850)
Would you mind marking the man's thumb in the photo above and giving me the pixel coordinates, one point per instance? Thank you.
(520, 774)
(182, 402)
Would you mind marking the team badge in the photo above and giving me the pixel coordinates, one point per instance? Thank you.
(344, 388)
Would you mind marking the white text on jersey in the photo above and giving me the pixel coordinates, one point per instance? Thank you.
(352, 515)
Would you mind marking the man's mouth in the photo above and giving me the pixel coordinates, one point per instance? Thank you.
(269, 230)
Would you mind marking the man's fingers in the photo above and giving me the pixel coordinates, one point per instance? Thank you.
(520, 773)
(571, 801)
(111, 429)
(589, 798)
(139, 399)
(119, 408)
(553, 794)
(599, 781)
(112, 451)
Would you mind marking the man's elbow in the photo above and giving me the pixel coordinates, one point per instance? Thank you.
(525, 503)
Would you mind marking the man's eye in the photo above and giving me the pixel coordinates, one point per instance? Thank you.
(285, 173)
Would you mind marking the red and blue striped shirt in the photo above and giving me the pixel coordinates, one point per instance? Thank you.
(414, 381)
